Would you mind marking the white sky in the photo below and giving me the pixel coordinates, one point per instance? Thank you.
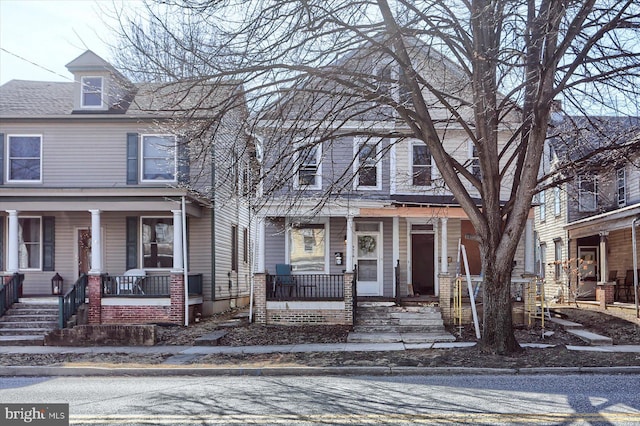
(50, 34)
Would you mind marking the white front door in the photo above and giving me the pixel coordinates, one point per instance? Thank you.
(369, 261)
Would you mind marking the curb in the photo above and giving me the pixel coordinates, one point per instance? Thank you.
(48, 371)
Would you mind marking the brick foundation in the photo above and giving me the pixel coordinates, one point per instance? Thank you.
(94, 294)
(445, 295)
(605, 294)
(301, 317)
(260, 298)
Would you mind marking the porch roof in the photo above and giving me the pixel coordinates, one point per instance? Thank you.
(609, 221)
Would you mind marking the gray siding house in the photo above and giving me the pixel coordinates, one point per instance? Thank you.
(103, 179)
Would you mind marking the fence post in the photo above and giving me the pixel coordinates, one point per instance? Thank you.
(260, 297)
(348, 298)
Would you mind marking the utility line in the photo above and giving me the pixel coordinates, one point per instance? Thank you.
(37, 65)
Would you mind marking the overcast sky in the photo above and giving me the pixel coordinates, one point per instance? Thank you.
(48, 35)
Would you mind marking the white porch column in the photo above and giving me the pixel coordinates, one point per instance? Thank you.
(96, 243)
(260, 243)
(349, 248)
(604, 273)
(12, 256)
(529, 246)
(444, 250)
(396, 250)
(178, 261)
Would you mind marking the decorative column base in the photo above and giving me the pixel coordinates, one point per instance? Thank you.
(260, 298)
(348, 298)
(605, 294)
(176, 290)
(445, 295)
(95, 298)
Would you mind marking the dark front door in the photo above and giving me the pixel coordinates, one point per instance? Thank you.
(422, 268)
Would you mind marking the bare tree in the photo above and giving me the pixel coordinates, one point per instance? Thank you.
(484, 68)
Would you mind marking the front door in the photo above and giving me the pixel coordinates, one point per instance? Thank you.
(368, 259)
(422, 267)
(84, 251)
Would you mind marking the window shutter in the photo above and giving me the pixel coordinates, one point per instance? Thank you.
(132, 242)
(48, 243)
(1, 163)
(132, 158)
(183, 162)
(2, 243)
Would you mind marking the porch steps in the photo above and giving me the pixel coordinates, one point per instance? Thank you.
(26, 324)
(392, 323)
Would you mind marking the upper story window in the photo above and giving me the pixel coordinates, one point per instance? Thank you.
(25, 155)
(474, 160)
(309, 170)
(557, 201)
(421, 165)
(587, 195)
(157, 242)
(92, 90)
(621, 178)
(543, 205)
(159, 157)
(367, 167)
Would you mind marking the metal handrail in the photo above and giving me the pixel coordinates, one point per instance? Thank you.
(69, 303)
(305, 287)
(136, 286)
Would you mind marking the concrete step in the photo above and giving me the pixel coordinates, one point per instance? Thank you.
(211, 339)
(24, 318)
(566, 324)
(22, 340)
(355, 337)
(30, 311)
(592, 339)
(396, 329)
(24, 331)
(28, 324)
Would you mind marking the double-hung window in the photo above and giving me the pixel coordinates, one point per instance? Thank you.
(159, 157)
(307, 248)
(309, 172)
(557, 249)
(30, 243)
(622, 187)
(587, 195)
(557, 201)
(543, 205)
(92, 90)
(367, 164)
(25, 158)
(157, 242)
(421, 165)
(474, 160)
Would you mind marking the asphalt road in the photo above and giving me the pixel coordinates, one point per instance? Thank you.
(539, 399)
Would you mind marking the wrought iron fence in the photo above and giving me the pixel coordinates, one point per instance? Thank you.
(305, 287)
(72, 300)
(136, 286)
(10, 292)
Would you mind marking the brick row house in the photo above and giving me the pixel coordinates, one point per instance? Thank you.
(106, 179)
(584, 224)
(364, 208)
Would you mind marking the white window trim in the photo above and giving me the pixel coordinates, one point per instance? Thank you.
(593, 194)
(296, 176)
(432, 166)
(141, 244)
(175, 158)
(327, 248)
(357, 141)
(41, 243)
(621, 201)
(557, 201)
(8, 161)
(82, 92)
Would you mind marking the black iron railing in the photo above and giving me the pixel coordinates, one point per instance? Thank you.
(397, 276)
(10, 292)
(70, 302)
(355, 292)
(136, 286)
(305, 287)
(195, 284)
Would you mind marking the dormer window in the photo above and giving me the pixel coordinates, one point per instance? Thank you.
(92, 89)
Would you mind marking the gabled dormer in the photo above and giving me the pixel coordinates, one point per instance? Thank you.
(99, 87)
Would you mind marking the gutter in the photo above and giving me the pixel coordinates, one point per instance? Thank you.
(635, 263)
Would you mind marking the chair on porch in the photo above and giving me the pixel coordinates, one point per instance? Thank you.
(626, 286)
(284, 280)
(130, 282)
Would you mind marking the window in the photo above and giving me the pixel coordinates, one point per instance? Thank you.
(307, 248)
(309, 170)
(158, 157)
(474, 160)
(367, 169)
(587, 201)
(245, 245)
(25, 154)
(157, 242)
(92, 92)
(234, 248)
(557, 205)
(29, 243)
(622, 192)
(557, 246)
(542, 260)
(543, 206)
(421, 165)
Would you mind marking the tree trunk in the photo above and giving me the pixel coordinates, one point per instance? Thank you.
(497, 335)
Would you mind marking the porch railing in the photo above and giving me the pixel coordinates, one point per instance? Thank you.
(10, 292)
(72, 300)
(136, 286)
(305, 287)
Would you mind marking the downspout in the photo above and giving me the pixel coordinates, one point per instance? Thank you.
(635, 264)
(185, 263)
(213, 223)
